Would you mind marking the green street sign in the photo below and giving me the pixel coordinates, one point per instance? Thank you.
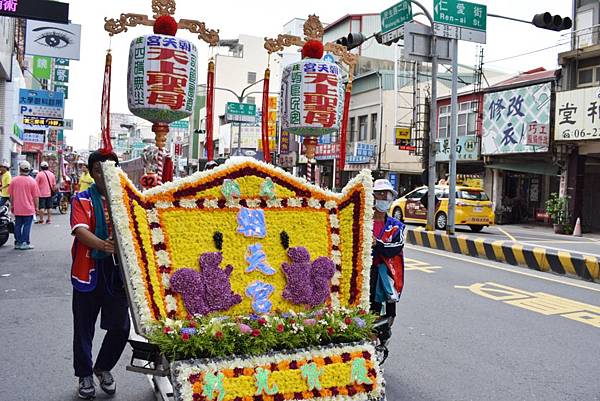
(63, 62)
(181, 124)
(240, 112)
(63, 89)
(460, 13)
(61, 75)
(395, 16)
(243, 109)
(42, 67)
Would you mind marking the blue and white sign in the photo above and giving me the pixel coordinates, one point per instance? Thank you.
(33, 137)
(329, 58)
(41, 103)
(508, 116)
(363, 153)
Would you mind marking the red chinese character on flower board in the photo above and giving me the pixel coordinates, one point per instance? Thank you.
(321, 105)
(166, 86)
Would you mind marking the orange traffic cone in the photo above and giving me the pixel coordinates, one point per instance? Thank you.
(577, 230)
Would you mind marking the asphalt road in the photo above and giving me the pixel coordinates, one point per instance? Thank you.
(535, 235)
(36, 330)
(449, 342)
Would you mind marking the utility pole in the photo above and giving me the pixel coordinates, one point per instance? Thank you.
(453, 126)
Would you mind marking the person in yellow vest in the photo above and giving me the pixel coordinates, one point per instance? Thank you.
(86, 180)
(5, 179)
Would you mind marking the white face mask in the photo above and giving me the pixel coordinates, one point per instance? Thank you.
(383, 205)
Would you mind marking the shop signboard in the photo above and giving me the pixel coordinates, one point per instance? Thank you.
(508, 117)
(284, 142)
(327, 152)
(577, 115)
(467, 149)
(42, 67)
(363, 153)
(61, 75)
(41, 103)
(53, 40)
(33, 137)
(35, 10)
(43, 122)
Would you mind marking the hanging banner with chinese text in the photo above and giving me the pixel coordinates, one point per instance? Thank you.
(577, 115)
(312, 98)
(511, 116)
(162, 77)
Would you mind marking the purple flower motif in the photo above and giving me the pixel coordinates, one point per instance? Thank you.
(208, 290)
(253, 316)
(307, 283)
(310, 322)
(359, 322)
(285, 315)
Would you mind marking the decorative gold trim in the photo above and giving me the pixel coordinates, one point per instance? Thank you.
(163, 7)
(313, 29)
(282, 41)
(116, 26)
(210, 36)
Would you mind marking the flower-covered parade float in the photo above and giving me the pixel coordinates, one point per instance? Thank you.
(252, 283)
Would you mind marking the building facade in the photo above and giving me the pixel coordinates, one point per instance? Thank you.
(577, 116)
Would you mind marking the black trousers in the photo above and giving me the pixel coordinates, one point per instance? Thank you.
(110, 301)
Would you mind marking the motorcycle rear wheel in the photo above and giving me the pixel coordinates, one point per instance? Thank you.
(4, 237)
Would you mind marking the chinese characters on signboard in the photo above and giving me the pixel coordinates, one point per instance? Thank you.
(577, 115)
(328, 151)
(161, 82)
(467, 149)
(514, 117)
(284, 142)
(272, 122)
(41, 103)
(311, 98)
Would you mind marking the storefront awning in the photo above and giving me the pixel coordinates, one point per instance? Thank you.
(527, 167)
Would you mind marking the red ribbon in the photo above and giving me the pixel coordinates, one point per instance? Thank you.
(210, 95)
(265, 117)
(106, 145)
(343, 134)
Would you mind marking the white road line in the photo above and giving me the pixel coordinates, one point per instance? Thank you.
(559, 249)
(494, 265)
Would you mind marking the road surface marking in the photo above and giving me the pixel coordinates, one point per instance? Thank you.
(538, 302)
(513, 239)
(413, 264)
(491, 264)
(561, 241)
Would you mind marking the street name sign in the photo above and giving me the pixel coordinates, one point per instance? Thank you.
(393, 19)
(457, 19)
(240, 112)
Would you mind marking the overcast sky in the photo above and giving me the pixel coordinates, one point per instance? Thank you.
(266, 18)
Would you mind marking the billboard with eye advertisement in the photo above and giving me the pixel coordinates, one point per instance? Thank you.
(53, 40)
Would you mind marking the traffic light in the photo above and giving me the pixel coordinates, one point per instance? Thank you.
(552, 22)
(353, 40)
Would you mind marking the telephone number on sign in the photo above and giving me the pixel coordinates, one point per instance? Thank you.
(580, 133)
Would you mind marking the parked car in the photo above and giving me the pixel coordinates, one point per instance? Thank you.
(473, 207)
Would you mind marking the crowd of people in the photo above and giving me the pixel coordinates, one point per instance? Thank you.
(31, 196)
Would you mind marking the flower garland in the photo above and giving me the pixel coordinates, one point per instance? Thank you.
(348, 372)
(179, 226)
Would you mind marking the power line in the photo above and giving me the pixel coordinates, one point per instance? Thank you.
(527, 53)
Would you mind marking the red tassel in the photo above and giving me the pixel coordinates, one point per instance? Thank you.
(265, 117)
(167, 174)
(343, 134)
(106, 145)
(210, 96)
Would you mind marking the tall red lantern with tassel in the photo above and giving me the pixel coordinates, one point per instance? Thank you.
(210, 96)
(265, 117)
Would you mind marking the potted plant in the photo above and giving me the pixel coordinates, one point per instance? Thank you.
(557, 208)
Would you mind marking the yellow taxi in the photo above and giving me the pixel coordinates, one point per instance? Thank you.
(473, 207)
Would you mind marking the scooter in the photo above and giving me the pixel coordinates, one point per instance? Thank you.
(7, 226)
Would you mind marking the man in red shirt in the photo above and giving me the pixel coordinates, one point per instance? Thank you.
(97, 286)
(24, 196)
(46, 182)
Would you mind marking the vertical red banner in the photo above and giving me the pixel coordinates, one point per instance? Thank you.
(343, 133)
(265, 117)
(106, 145)
(210, 95)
